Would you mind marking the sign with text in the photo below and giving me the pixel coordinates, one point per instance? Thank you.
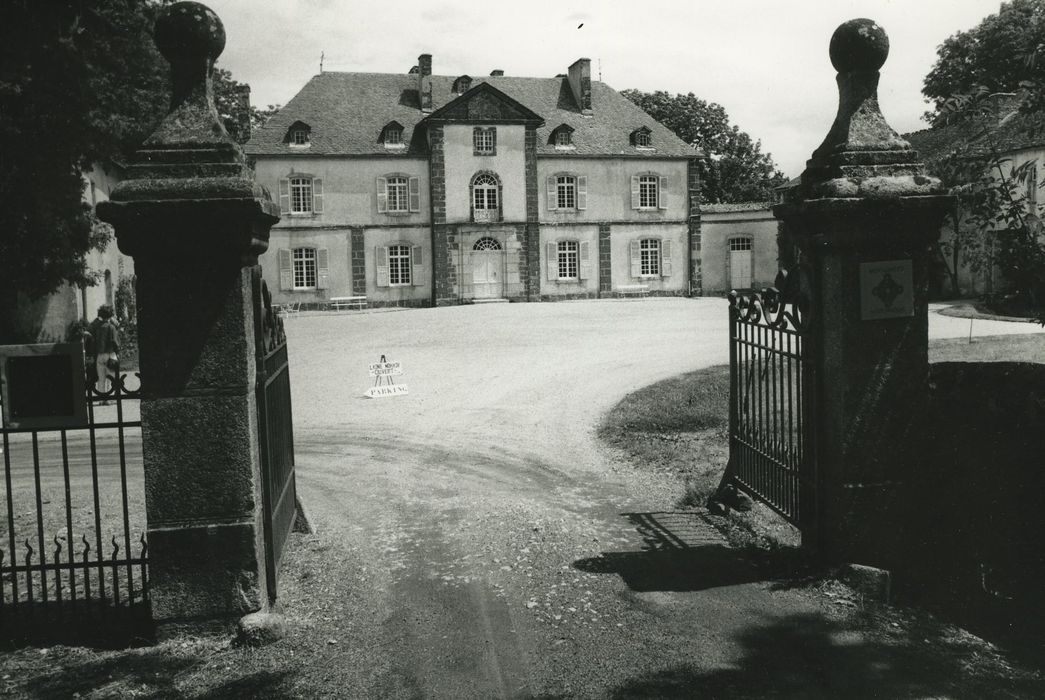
(384, 385)
(384, 369)
(886, 289)
(43, 386)
(386, 390)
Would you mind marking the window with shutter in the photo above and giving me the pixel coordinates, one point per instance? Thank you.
(634, 191)
(415, 194)
(301, 195)
(305, 268)
(284, 195)
(636, 259)
(582, 192)
(552, 193)
(649, 253)
(322, 268)
(382, 195)
(381, 258)
(417, 263)
(398, 265)
(665, 259)
(585, 268)
(662, 193)
(286, 269)
(317, 195)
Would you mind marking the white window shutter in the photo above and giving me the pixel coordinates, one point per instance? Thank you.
(582, 192)
(665, 258)
(415, 194)
(553, 193)
(284, 194)
(381, 255)
(662, 193)
(382, 195)
(552, 261)
(317, 196)
(286, 269)
(322, 268)
(636, 259)
(585, 266)
(417, 271)
(635, 192)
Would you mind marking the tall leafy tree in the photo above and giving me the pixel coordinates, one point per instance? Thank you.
(1001, 54)
(736, 169)
(993, 222)
(81, 82)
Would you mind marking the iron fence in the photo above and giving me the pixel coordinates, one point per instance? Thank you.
(275, 430)
(771, 427)
(74, 561)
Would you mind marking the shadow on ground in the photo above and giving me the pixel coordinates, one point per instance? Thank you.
(159, 672)
(808, 656)
(684, 551)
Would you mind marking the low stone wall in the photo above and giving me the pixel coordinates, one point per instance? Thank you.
(977, 503)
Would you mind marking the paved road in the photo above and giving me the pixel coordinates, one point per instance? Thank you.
(475, 540)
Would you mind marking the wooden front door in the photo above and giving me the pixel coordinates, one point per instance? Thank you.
(487, 269)
(740, 263)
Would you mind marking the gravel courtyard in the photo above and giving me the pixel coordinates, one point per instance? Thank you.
(475, 540)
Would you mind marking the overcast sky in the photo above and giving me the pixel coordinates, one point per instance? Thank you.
(766, 62)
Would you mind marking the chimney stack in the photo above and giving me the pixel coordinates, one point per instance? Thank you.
(243, 99)
(580, 83)
(496, 73)
(424, 81)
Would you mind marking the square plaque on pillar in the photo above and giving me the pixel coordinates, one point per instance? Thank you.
(886, 289)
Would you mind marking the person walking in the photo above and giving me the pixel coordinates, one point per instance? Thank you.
(105, 343)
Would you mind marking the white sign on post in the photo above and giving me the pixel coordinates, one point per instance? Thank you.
(886, 290)
(384, 385)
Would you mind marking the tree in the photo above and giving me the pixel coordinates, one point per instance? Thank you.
(998, 55)
(736, 169)
(992, 221)
(80, 83)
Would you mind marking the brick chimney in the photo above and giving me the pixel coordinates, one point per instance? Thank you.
(496, 73)
(424, 81)
(243, 100)
(580, 83)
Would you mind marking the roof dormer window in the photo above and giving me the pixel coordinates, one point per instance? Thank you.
(562, 136)
(299, 135)
(462, 84)
(392, 135)
(642, 137)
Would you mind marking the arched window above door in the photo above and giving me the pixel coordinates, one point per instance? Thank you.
(487, 243)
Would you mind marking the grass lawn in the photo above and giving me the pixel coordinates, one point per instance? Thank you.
(680, 425)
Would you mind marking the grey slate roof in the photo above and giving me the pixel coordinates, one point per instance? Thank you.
(1009, 131)
(346, 112)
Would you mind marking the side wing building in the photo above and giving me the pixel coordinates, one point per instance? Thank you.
(420, 189)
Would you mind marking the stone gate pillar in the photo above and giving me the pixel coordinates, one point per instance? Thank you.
(859, 229)
(195, 222)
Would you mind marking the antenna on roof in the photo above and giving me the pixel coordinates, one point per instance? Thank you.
(321, 61)
(600, 70)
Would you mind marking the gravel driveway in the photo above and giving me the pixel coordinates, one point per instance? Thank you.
(475, 540)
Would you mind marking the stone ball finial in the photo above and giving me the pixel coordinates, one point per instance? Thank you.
(189, 30)
(859, 45)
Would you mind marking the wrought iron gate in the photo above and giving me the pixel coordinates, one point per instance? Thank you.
(74, 561)
(275, 430)
(772, 453)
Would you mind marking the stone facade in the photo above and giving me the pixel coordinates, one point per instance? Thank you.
(524, 189)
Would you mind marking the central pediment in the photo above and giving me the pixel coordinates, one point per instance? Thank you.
(485, 103)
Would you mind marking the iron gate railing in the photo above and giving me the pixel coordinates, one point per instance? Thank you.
(772, 453)
(275, 430)
(74, 561)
